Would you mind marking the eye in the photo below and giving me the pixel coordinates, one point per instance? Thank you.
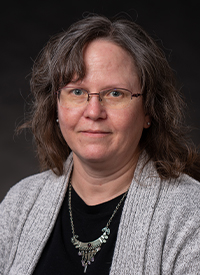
(77, 92)
(115, 93)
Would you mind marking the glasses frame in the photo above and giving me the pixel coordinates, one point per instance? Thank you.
(98, 94)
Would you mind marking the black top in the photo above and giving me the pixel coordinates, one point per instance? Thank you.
(60, 256)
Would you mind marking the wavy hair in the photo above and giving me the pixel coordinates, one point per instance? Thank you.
(165, 141)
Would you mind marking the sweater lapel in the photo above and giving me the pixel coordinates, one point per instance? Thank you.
(39, 223)
(129, 254)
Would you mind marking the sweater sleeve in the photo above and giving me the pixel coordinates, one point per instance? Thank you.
(173, 240)
(13, 212)
(9, 218)
(31, 206)
(5, 230)
(183, 241)
(181, 229)
(188, 260)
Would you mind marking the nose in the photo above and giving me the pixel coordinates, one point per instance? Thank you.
(94, 94)
(94, 109)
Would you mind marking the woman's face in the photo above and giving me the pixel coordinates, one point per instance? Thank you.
(96, 133)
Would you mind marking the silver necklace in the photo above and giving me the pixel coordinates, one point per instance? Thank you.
(87, 250)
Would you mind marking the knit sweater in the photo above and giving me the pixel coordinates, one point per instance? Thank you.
(159, 230)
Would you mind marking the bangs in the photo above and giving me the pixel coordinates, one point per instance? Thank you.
(69, 67)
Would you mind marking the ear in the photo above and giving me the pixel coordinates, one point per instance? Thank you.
(147, 121)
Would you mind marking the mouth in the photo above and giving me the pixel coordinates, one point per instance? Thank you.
(95, 133)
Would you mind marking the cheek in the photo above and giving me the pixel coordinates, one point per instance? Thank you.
(129, 120)
(63, 118)
(67, 119)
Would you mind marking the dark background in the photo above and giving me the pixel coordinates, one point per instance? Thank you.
(27, 25)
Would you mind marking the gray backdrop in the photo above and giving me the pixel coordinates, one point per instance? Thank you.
(27, 25)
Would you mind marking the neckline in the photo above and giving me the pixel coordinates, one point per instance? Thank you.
(79, 205)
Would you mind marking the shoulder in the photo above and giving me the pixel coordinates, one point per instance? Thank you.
(39, 187)
(179, 204)
(23, 195)
(184, 191)
(28, 187)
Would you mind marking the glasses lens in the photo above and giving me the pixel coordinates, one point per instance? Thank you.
(116, 98)
(72, 97)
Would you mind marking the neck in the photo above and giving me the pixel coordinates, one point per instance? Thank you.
(98, 183)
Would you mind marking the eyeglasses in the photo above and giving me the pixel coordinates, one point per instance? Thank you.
(116, 98)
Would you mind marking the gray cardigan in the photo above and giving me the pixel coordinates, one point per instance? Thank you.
(159, 231)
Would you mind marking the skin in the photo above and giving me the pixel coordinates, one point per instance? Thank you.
(105, 142)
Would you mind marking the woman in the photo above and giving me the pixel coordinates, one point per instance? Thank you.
(119, 193)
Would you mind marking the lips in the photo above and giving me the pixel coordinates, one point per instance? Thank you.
(97, 133)
(95, 130)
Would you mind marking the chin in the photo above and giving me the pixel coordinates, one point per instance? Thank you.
(94, 156)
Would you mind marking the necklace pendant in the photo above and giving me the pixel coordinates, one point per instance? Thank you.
(87, 250)
(85, 269)
(87, 255)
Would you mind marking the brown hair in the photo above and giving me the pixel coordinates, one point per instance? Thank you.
(165, 141)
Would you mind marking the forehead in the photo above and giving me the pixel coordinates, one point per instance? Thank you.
(107, 62)
(106, 52)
